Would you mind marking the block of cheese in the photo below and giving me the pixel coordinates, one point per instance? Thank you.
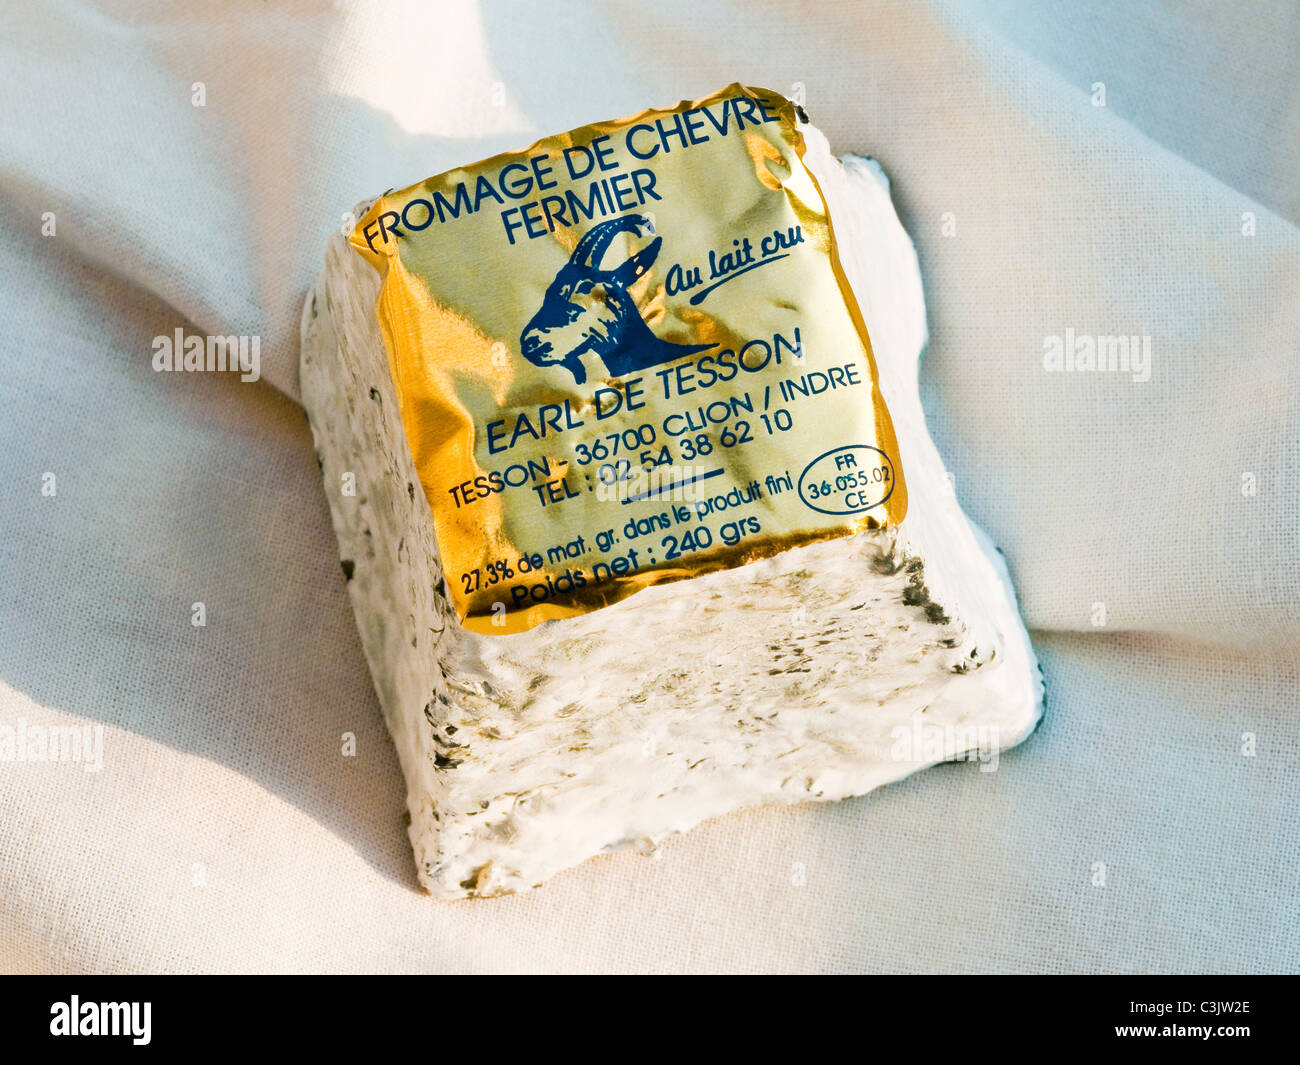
(822, 663)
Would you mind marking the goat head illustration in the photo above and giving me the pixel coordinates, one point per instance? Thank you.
(587, 307)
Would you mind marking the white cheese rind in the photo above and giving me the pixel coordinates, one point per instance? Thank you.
(801, 677)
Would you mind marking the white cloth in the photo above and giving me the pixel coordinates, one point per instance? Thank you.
(226, 830)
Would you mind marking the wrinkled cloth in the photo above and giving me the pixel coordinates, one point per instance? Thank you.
(1066, 171)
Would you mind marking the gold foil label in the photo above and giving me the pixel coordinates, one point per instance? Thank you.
(627, 355)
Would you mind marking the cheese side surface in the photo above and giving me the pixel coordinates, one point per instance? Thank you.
(864, 631)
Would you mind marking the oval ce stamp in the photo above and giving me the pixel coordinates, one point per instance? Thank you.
(847, 480)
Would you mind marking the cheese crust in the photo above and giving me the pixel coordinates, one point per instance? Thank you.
(817, 674)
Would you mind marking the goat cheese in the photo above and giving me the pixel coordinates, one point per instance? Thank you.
(648, 526)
